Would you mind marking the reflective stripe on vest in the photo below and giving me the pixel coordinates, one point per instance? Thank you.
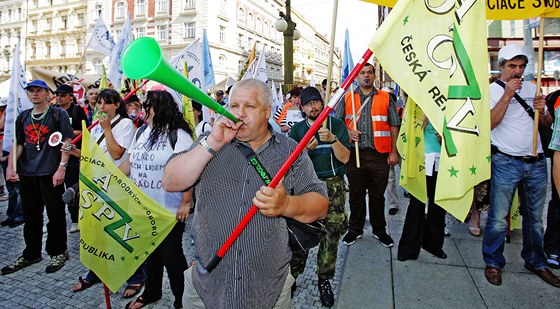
(379, 113)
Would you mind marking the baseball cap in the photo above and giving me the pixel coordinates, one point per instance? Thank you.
(64, 89)
(220, 92)
(37, 83)
(309, 94)
(511, 51)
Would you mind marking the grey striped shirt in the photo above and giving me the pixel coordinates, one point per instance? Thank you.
(253, 271)
(364, 123)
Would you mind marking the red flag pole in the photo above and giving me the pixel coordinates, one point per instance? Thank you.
(324, 114)
(107, 296)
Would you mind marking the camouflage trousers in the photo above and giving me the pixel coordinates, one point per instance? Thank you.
(336, 224)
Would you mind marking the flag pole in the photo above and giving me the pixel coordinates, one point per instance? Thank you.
(356, 143)
(215, 260)
(107, 296)
(539, 73)
(331, 52)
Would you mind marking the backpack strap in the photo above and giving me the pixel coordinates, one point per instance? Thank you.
(522, 102)
(112, 126)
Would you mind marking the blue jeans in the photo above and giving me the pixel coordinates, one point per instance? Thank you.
(14, 211)
(530, 179)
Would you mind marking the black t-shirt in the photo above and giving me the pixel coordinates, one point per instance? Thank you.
(42, 160)
(77, 115)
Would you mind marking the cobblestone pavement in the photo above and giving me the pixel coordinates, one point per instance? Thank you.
(31, 287)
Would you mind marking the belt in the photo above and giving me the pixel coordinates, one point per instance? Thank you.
(524, 159)
(332, 179)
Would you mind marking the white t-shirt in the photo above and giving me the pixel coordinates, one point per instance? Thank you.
(514, 135)
(123, 132)
(202, 127)
(146, 166)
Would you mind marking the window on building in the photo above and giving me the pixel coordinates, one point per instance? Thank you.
(33, 25)
(81, 19)
(9, 15)
(33, 50)
(250, 21)
(97, 65)
(249, 43)
(48, 23)
(120, 10)
(266, 30)
(222, 34)
(241, 16)
(190, 29)
(48, 49)
(189, 4)
(80, 45)
(162, 33)
(223, 7)
(222, 62)
(162, 6)
(140, 32)
(240, 41)
(63, 22)
(18, 14)
(140, 8)
(512, 27)
(97, 12)
(62, 48)
(258, 27)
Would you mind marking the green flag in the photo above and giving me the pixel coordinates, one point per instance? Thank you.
(120, 225)
(437, 53)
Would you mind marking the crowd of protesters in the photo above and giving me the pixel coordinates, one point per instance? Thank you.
(355, 152)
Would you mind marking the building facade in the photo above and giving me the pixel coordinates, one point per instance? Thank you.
(54, 34)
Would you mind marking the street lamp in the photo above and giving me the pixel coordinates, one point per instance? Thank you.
(288, 27)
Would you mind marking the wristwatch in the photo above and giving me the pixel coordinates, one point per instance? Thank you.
(334, 141)
(203, 141)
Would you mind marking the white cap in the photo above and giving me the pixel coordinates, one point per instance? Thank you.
(509, 52)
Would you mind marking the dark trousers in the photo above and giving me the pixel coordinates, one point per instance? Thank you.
(421, 230)
(37, 193)
(372, 176)
(72, 177)
(552, 234)
(14, 210)
(169, 254)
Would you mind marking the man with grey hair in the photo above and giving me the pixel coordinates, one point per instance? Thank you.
(514, 167)
(255, 273)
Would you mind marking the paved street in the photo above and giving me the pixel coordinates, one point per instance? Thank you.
(368, 276)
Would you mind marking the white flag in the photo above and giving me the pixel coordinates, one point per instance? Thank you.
(115, 69)
(17, 100)
(260, 71)
(192, 55)
(101, 40)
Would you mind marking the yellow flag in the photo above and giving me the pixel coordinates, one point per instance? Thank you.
(103, 83)
(437, 54)
(504, 10)
(252, 56)
(410, 145)
(120, 225)
(188, 112)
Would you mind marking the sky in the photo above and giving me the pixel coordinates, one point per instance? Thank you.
(358, 16)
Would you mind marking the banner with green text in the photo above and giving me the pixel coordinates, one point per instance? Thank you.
(500, 9)
(437, 54)
(119, 224)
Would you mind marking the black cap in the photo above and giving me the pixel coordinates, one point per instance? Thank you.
(64, 89)
(309, 94)
(220, 92)
(132, 98)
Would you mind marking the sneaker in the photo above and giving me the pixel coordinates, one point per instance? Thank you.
(16, 223)
(327, 295)
(56, 263)
(385, 239)
(393, 211)
(20, 263)
(74, 227)
(553, 261)
(351, 237)
(6, 222)
(68, 195)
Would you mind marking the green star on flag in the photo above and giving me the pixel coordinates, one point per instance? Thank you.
(453, 171)
(473, 170)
